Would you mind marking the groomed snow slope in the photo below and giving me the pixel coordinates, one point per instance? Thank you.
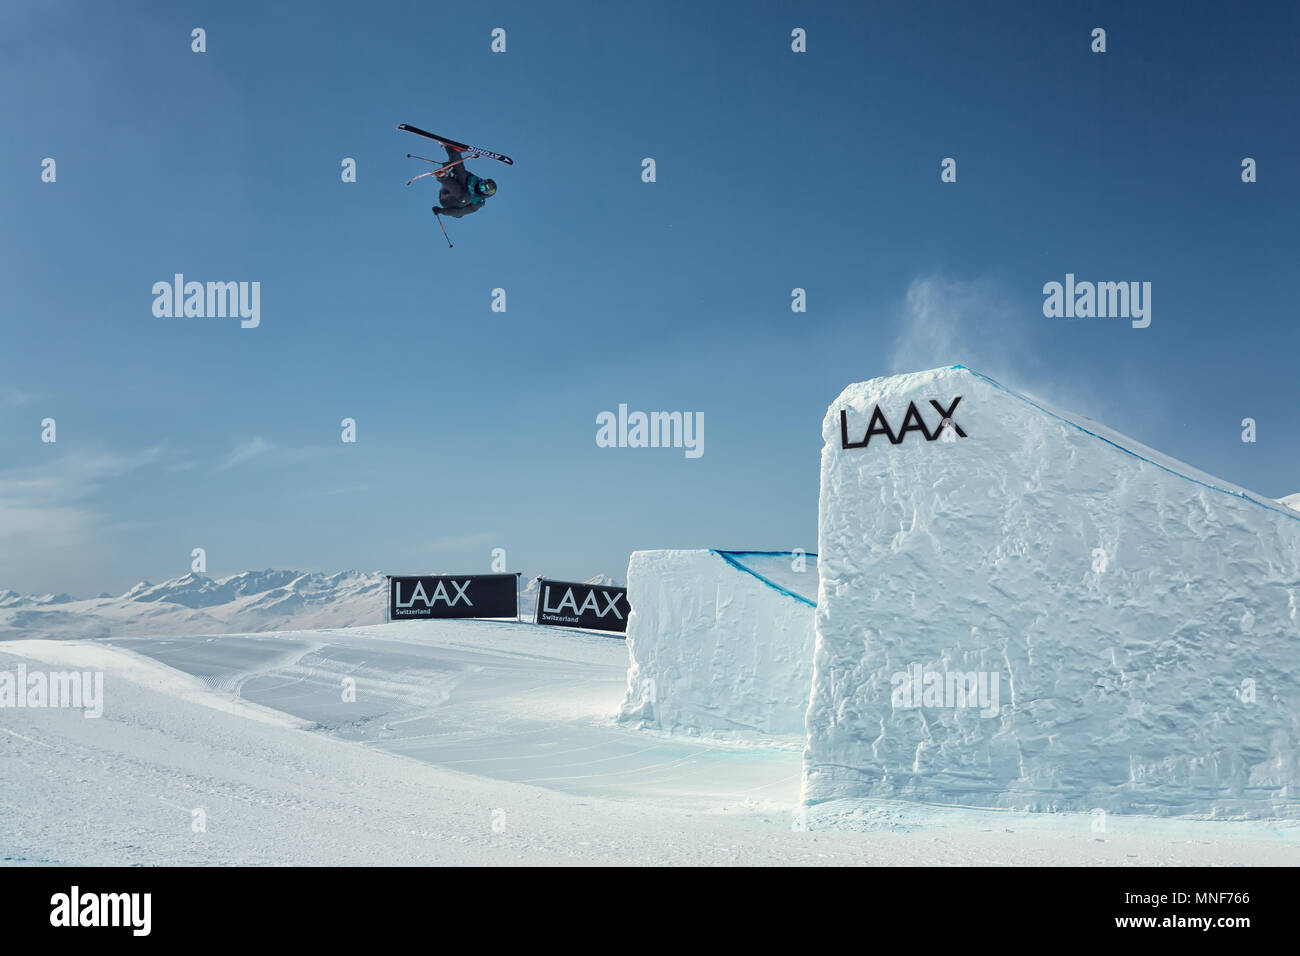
(720, 640)
(1139, 619)
(467, 742)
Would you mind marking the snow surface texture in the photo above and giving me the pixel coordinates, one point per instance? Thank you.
(1141, 619)
(468, 742)
(719, 641)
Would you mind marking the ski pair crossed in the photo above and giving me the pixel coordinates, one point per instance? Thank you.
(441, 169)
(471, 152)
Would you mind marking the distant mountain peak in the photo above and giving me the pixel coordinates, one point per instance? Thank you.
(244, 602)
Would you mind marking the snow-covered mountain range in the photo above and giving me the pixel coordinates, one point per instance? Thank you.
(196, 604)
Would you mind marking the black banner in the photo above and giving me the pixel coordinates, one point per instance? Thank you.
(453, 595)
(591, 606)
(169, 905)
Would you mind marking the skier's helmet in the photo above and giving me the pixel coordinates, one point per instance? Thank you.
(487, 187)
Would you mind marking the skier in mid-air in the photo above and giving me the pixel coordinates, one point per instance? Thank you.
(462, 192)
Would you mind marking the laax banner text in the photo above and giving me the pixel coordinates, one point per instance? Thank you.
(453, 595)
(946, 430)
(591, 606)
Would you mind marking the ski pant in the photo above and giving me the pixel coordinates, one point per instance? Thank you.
(458, 173)
(454, 196)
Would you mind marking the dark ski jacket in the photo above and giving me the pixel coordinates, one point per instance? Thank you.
(459, 194)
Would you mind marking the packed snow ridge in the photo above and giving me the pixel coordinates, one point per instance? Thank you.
(720, 641)
(1023, 609)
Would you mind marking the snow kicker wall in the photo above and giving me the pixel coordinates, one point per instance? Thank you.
(1023, 610)
(720, 640)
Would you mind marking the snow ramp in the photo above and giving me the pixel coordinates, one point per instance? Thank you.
(720, 640)
(1019, 608)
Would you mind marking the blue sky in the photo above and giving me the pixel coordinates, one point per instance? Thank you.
(775, 170)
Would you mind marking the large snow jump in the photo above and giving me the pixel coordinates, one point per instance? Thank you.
(720, 640)
(1022, 609)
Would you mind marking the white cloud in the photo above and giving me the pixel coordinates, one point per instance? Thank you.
(245, 452)
(11, 397)
(50, 528)
(257, 446)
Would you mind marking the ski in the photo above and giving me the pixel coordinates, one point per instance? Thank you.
(436, 172)
(459, 147)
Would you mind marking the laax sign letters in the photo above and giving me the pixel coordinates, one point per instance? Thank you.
(912, 422)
